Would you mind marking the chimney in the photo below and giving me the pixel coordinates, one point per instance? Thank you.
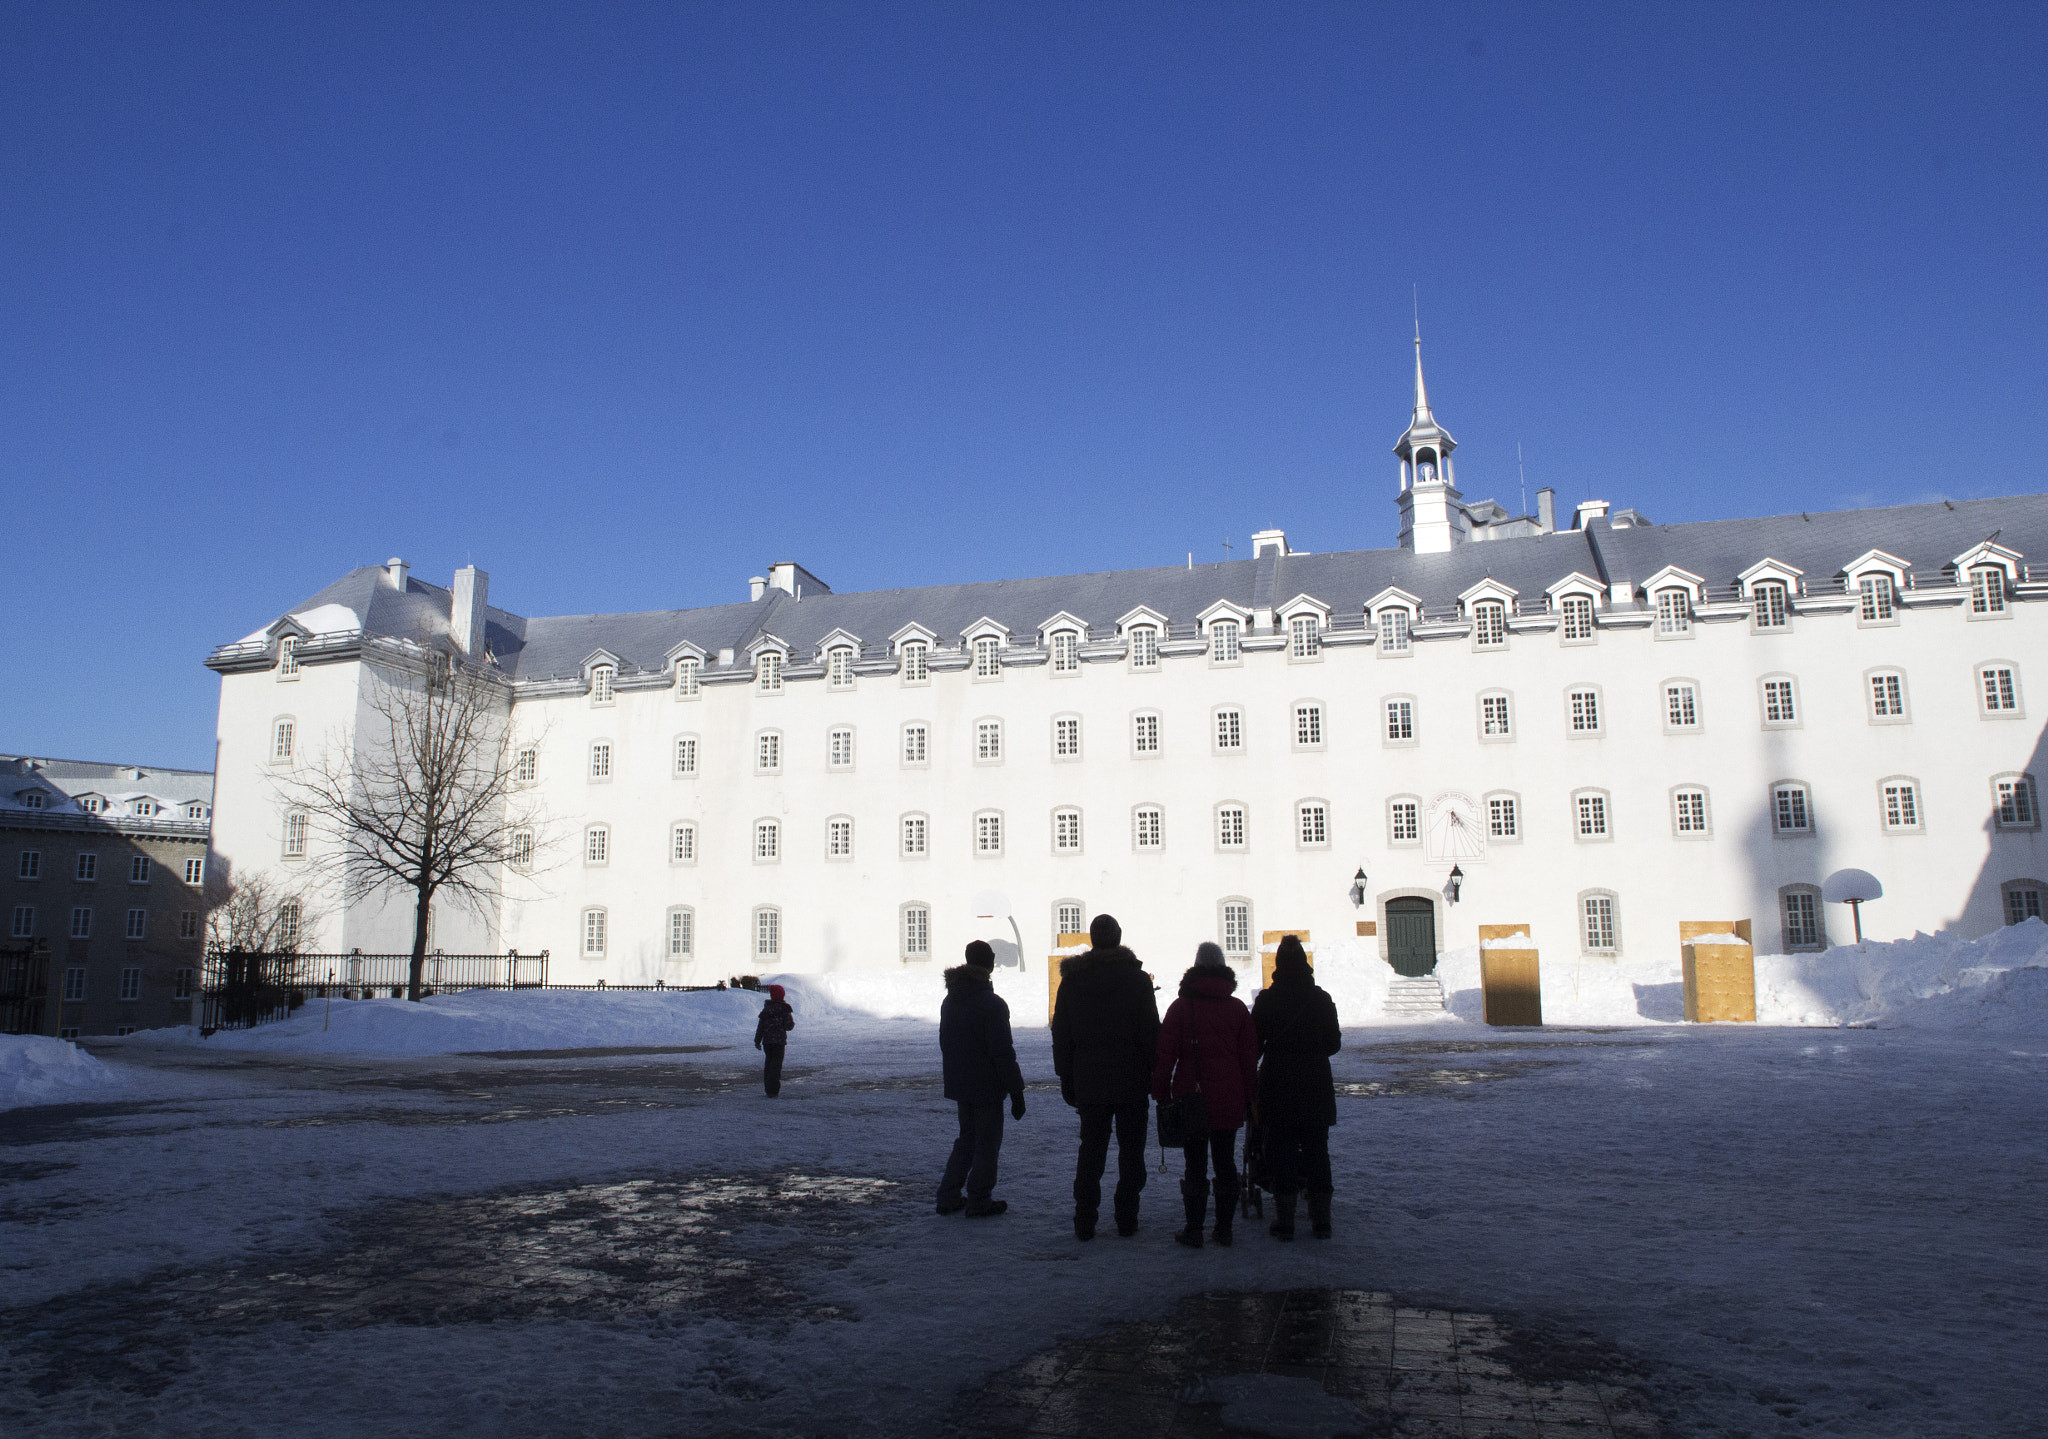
(757, 587)
(466, 611)
(1589, 511)
(395, 571)
(1546, 510)
(794, 580)
(1274, 541)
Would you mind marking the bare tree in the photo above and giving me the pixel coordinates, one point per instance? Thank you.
(255, 915)
(425, 799)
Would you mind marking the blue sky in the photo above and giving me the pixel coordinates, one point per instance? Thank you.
(623, 303)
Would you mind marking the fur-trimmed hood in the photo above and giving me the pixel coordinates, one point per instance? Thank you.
(969, 976)
(1208, 982)
(1077, 966)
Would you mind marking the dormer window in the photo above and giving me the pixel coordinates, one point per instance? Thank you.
(1394, 631)
(915, 669)
(1066, 652)
(1674, 612)
(687, 677)
(1987, 590)
(195, 811)
(91, 803)
(1224, 636)
(31, 799)
(768, 672)
(145, 808)
(1768, 606)
(839, 667)
(288, 657)
(1304, 637)
(1489, 624)
(601, 684)
(988, 659)
(1875, 594)
(1578, 619)
(1144, 647)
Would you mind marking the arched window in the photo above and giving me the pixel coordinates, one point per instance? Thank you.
(1393, 624)
(767, 841)
(601, 677)
(1504, 818)
(1225, 638)
(988, 834)
(1987, 591)
(1404, 820)
(1066, 652)
(1674, 613)
(768, 752)
(1681, 706)
(839, 667)
(768, 672)
(916, 662)
(593, 933)
(839, 837)
(1234, 927)
(687, 677)
(682, 843)
(682, 932)
(1496, 720)
(1230, 826)
(1148, 827)
(600, 760)
(1145, 734)
(288, 657)
(1066, 831)
(916, 745)
(915, 927)
(1600, 922)
(1887, 691)
(1069, 916)
(1144, 647)
(1066, 739)
(2022, 899)
(1489, 625)
(1312, 824)
(916, 835)
(295, 826)
(1898, 798)
(1799, 908)
(686, 756)
(1577, 625)
(1592, 817)
(1305, 637)
(597, 844)
(767, 932)
(1768, 607)
(1791, 808)
(839, 747)
(1691, 818)
(2015, 805)
(1874, 600)
(988, 658)
(1308, 724)
(284, 731)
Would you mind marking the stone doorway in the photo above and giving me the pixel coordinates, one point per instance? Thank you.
(1411, 937)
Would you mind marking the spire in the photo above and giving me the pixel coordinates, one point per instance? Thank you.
(1422, 414)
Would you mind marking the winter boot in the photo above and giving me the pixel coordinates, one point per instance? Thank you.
(1319, 1211)
(1226, 1212)
(1127, 1219)
(1194, 1194)
(1084, 1227)
(1282, 1226)
(987, 1208)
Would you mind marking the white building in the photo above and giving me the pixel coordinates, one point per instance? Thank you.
(1606, 728)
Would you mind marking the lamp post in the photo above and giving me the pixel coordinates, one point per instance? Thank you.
(1457, 882)
(1358, 889)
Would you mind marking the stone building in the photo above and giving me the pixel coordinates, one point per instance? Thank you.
(101, 884)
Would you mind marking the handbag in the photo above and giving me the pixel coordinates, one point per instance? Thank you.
(1186, 1119)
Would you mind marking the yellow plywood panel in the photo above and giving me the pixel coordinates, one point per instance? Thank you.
(1502, 931)
(1691, 929)
(1269, 942)
(1720, 979)
(1052, 970)
(1510, 981)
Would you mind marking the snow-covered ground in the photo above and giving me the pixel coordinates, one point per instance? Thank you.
(1797, 1230)
(37, 1070)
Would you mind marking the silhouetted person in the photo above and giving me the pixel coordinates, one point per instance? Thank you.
(1207, 1042)
(771, 1034)
(1105, 1032)
(981, 1067)
(1297, 1027)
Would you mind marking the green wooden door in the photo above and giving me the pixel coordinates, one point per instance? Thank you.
(1411, 936)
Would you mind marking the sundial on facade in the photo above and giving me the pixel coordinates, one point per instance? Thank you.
(1456, 831)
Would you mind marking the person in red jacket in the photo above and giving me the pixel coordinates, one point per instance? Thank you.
(1208, 1042)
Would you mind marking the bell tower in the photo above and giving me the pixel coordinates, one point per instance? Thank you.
(1433, 517)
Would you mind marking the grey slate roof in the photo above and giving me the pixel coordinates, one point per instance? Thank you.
(77, 776)
(1820, 544)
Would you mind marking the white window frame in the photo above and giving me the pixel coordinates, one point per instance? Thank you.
(1988, 688)
(988, 834)
(1875, 697)
(766, 847)
(1148, 828)
(1145, 736)
(839, 839)
(1791, 809)
(1309, 726)
(1495, 833)
(138, 869)
(1404, 821)
(1059, 917)
(1230, 826)
(1311, 823)
(2022, 814)
(684, 755)
(1065, 647)
(1764, 701)
(1066, 831)
(1990, 593)
(1399, 728)
(914, 931)
(914, 835)
(1877, 599)
(1569, 607)
(1674, 612)
(603, 685)
(1226, 642)
(768, 751)
(596, 921)
(597, 845)
(988, 740)
(1812, 912)
(287, 657)
(1611, 950)
(1144, 648)
(839, 667)
(1681, 692)
(137, 925)
(1234, 932)
(1066, 739)
(986, 654)
(31, 866)
(1226, 722)
(284, 740)
(1768, 616)
(1592, 816)
(600, 767)
(1704, 827)
(839, 749)
(916, 662)
(1305, 638)
(519, 849)
(1895, 816)
(767, 932)
(195, 871)
(768, 665)
(689, 679)
(1495, 716)
(680, 932)
(2020, 900)
(914, 750)
(682, 842)
(188, 928)
(1585, 711)
(1396, 627)
(297, 827)
(87, 869)
(1489, 625)
(526, 765)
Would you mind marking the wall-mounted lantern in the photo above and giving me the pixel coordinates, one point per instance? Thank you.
(1456, 883)
(1358, 889)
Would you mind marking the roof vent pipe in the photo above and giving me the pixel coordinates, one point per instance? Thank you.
(757, 587)
(395, 571)
(1546, 510)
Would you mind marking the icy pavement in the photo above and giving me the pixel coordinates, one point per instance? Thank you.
(1752, 1231)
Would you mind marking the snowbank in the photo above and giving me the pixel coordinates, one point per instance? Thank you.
(36, 1070)
(489, 1019)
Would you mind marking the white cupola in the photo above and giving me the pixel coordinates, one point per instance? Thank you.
(1433, 517)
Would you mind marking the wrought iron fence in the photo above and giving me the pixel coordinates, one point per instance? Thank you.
(24, 987)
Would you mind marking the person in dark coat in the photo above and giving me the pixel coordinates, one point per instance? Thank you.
(1297, 1025)
(1105, 1030)
(1207, 1042)
(981, 1068)
(771, 1035)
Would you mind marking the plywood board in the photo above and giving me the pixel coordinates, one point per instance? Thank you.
(1720, 983)
(1510, 985)
(1267, 943)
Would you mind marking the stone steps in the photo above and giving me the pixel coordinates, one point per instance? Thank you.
(1409, 997)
